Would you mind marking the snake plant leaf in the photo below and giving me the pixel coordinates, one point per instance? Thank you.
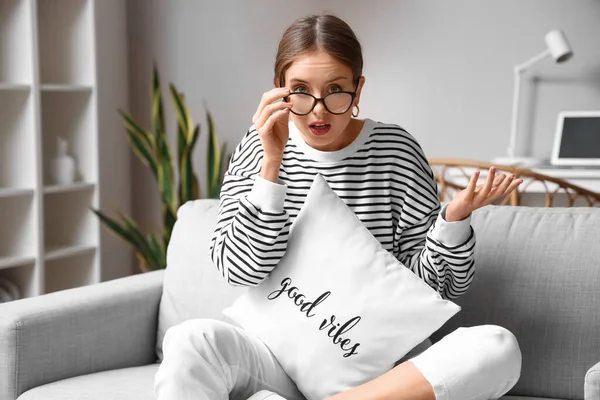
(158, 117)
(186, 176)
(159, 250)
(120, 231)
(131, 233)
(195, 194)
(183, 178)
(166, 179)
(180, 143)
(195, 136)
(184, 118)
(141, 143)
(134, 127)
(213, 161)
(152, 147)
(187, 135)
(115, 227)
(168, 222)
(188, 180)
(225, 158)
(164, 163)
(182, 122)
(143, 244)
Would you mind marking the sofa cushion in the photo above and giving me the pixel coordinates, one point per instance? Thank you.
(193, 288)
(527, 398)
(135, 383)
(537, 272)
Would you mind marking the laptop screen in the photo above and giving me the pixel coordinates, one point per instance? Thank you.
(580, 138)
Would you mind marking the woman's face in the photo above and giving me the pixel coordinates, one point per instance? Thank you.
(319, 74)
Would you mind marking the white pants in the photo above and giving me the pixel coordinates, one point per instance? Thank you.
(211, 360)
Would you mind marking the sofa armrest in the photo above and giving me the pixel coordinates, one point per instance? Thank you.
(592, 383)
(78, 331)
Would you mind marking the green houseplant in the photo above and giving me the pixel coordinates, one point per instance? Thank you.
(152, 148)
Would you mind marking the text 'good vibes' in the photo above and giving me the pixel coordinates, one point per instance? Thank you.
(335, 330)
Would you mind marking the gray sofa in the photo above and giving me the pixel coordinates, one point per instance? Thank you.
(538, 274)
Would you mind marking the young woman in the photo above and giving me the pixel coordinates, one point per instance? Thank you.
(309, 124)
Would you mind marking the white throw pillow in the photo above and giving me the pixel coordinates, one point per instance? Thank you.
(338, 310)
(192, 288)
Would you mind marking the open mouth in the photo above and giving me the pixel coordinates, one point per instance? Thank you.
(319, 128)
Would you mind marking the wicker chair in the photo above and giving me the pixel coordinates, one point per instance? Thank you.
(452, 175)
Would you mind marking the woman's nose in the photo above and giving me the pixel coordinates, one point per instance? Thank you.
(319, 108)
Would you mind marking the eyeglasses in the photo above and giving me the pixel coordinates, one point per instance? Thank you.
(336, 103)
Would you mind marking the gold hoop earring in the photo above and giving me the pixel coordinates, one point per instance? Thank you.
(357, 111)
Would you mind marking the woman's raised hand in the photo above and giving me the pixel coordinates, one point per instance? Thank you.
(271, 122)
(477, 196)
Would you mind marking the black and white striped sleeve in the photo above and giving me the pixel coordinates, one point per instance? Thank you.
(439, 252)
(252, 228)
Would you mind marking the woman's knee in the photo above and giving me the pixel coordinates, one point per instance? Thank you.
(196, 335)
(500, 347)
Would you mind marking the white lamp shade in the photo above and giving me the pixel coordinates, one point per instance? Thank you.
(558, 45)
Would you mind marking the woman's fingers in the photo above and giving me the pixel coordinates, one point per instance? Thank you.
(497, 182)
(473, 182)
(514, 184)
(272, 119)
(268, 98)
(499, 179)
(269, 111)
(489, 183)
(493, 188)
(506, 188)
(501, 188)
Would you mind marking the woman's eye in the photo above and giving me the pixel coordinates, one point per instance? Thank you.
(334, 89)
(301, 89)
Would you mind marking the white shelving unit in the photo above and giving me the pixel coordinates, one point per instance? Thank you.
(49, 238)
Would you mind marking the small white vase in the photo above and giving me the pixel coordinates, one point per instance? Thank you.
(62, 167)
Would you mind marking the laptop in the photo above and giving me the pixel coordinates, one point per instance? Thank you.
(577, 139)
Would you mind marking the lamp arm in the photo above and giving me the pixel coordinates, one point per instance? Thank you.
(515, 114)
(520, 68)
(518, 71)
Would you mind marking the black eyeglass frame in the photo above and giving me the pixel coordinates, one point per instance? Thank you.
(322, 100)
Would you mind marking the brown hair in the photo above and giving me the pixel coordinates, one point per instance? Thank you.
(319, 32)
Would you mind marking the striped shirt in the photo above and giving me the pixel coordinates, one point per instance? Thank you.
(383, 176)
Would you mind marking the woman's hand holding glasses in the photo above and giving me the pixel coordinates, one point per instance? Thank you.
(271, 122)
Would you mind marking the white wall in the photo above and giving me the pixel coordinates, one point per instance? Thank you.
(219, 52)
(114, 153)
(441, 69)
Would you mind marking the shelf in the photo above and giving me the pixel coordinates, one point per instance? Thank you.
(16, 66)
(69, 115)
(65, 41)
(16, 261)
(23, 276)
(65, 252)
(18, 230)
(54, 87)
(54, 55)
(68, 220)
(14, 87)
(74, 187)
(17, 140)
(78, 270)
(15, 192)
